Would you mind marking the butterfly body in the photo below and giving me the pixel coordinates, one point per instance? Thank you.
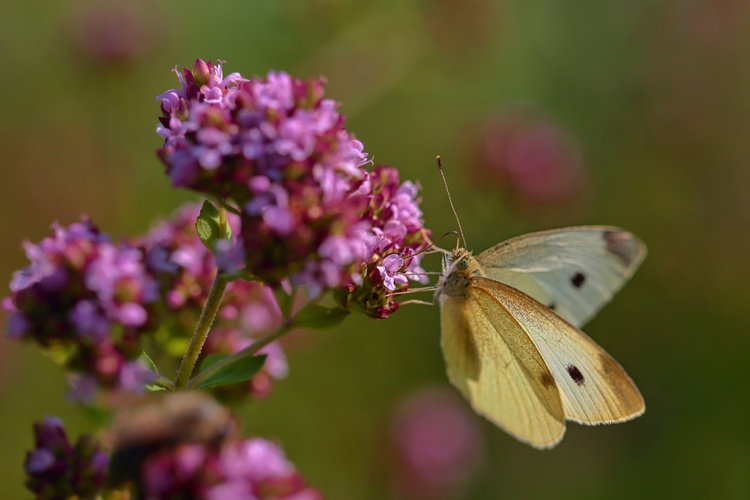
(509, 320)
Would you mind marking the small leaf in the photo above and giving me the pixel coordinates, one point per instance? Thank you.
(317, 317)
(208, 227)
(148, 363)
(241, 370)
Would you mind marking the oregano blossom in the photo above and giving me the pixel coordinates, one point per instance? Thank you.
(253, 468)
(278, 150)
(88, 301)
(57, 468)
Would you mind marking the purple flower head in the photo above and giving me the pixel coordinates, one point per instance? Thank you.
(71, 247)
(57, 469)
(183, 265)
(87, 298)
(278, 150)
(392, 256)
(310, 213)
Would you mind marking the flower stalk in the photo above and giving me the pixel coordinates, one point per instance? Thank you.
(164, 383)
(202, 328)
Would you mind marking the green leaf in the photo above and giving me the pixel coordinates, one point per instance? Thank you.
(148, 363)
(243, 369)
(210, 360)
(208, 227)
(145, 360)
(317, 317)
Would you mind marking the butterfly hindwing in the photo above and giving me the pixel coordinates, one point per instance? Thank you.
(573, 271)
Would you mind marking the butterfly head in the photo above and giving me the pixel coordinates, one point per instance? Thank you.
(458, 268)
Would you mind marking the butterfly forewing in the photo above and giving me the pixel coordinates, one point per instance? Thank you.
(495, 365)
(573, 271)
(594, 387)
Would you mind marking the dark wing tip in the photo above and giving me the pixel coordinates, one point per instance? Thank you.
(626, 246)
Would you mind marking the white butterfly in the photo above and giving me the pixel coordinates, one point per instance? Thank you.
(510, 336)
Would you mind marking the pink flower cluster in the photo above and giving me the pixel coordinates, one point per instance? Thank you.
(254, 468)
(88, 300)
(392, 258)
(278, 150)
(92, 302)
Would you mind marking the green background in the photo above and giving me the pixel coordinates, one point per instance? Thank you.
(656, 95)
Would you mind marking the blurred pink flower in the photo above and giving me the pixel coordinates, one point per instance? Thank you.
(90, 300)
(437, 443)
(115, 33)
(713, 21)
(254, 469)
(59, 468)
(525, 151)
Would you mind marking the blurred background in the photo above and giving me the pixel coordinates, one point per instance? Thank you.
(546, 114)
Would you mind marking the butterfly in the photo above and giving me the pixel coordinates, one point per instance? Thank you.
(510, 321)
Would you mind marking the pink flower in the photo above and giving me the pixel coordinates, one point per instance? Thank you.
(253, 468)
(104, 301)
(391, 258)
(390, 271)
(534, 157)
(437, 443)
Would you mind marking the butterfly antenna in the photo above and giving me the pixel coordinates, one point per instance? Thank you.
(426, 250)
(450, 200)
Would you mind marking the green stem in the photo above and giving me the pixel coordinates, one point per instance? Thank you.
(224, 206)
(164, 383)
(201, 332)
(248, 351)
(222, 219)
(207, 317)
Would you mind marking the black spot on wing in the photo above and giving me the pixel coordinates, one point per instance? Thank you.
(578, 279)
(576, 374)
(552, 306)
